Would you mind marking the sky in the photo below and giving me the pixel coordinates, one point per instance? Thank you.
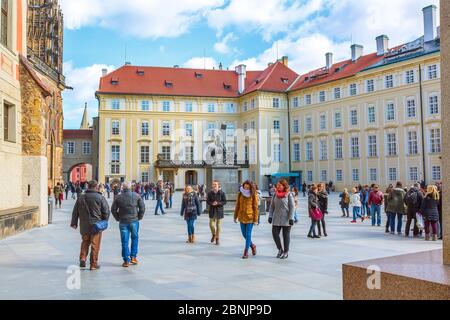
(197, 33)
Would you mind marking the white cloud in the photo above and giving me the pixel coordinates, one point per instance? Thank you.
(201, 63)
(223, 46)
(140, 18)
(85, 82)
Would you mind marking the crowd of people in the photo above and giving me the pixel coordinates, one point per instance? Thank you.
(422, 206)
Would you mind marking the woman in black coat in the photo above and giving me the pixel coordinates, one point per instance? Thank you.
(430, 212)
(322, 195)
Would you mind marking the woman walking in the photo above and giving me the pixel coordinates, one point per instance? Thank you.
(313, 206)
(246, 212)
(345, 203)
(355, 202)
(430, 212)
(323, 206)
(190, 210)
(281, 217)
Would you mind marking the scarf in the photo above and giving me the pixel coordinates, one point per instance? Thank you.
(281, 195)
(246, 193)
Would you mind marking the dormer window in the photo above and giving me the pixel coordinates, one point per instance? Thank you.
(227, 86)
(115, 81)
(198, 75)
(140, 72)
(168, 84)
(285, 80)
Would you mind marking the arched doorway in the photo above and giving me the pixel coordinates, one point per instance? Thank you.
(80, 173)
(191, 178)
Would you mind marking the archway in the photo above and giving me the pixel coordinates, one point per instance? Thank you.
(80, 173)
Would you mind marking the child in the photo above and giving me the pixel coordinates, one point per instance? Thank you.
(355, 202)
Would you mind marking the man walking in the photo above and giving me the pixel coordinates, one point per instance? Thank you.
(376, 198)
(89, 209)
(159, 197)
(396, 207)
(216, 200)
(128, 209)
(413, 200)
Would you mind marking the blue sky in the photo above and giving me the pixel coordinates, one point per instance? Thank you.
(174, 32)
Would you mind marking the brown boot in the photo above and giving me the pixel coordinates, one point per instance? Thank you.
(427, 237)
(434, 237)
(189, 240)
(193, 239)
(213, 239)
(253, 249)
(217, 241)
(245, 256)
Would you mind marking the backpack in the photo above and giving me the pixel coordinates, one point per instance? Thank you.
(412, 199)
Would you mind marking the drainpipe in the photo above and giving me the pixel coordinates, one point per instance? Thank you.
(422, 126)
(289, 134)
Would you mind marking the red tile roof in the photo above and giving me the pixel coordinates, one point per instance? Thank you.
(276, 78)
(77, 134)
(340, 70)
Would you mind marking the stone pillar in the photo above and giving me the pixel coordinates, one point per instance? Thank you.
(445, 92)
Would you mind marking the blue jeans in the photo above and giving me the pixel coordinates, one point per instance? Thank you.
(392, 221)
(295, 216)
(356, 213)
(159, 205)
(170, 201)
(376, 209)
(190, 226)
(246, 229)
(125, 231)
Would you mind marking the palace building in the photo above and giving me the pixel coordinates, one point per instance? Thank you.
(374, 118)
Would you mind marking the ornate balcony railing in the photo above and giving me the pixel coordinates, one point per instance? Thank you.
(174, 164)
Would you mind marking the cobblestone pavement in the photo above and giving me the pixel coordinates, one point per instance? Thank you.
(33, 265)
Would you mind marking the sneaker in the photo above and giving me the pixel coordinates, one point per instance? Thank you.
(82, 264)
(134, 261)
(156, 214)
(125, 264)
(316, 237)
(280, 253)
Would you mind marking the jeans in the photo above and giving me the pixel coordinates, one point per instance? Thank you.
(159, 205)
(392, 221)
(127, 229)
(57, 200)
(286, 237)
(376, 211)
(296, 215)
(170, 201)
(190, 226)
(246, 229)
(363, 210)
(356, 213)
(345, 211)
(312, 229)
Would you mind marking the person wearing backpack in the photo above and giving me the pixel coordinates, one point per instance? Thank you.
(345, 203)
(396, 207)
(413, 201)
(376, 199)
(190, 210)
(281, 217)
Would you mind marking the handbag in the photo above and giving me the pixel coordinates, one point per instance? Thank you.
(99, 226)
(420, 222)
(316, 214)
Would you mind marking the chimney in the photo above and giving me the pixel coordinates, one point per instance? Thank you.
(329, 60)
(104, 72)
(429, 20)
(357, 51)
(382, 45)
(285, 61)
(128, 63)
(241, 70)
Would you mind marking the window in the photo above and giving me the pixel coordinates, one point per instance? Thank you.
(245, 106)
(166, 128)
(354, 117)
(188, 107)
(211, 129)
(411, 110)
(310, 176)
(86, 147)
(338, 149)
(70, 147)
(296, 126)
(370, 85)
(229, 108)
(276, 126)
(145, 105)
(277, 152)
(322, 97)
(371, 115)
(9, 122)
(323, 122)
(115, 159)
(389, 82)
(373, 147)
(165, 152)
(354, 142)
(392, 174)
(253, 125)
(145, 177)
(309, 151)
(436, 173)
(252, 104)
(115, 127)
(297, 154)
(189, 154)
(413, 148)
(188, 129)
(252, 153)
(339, 175)
(245, 127)
(409, 77)
(324, 175)
(337, 120)
(145, 128)
(432, 72)
(307, 99)
(355, 174)
(414, 174)
(5, 23)
(166, 106)
(337, 93)
(435, 140)
(391, 144)
(433, 105)
(390, 112)
(145, 154)
(352, 89)
(295, 103)
(323, 150)
(308, 125)
(373, 174)
(276, 103)
(230, 130)
(115, 104)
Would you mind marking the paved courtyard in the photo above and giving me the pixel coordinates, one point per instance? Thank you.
(33, 265)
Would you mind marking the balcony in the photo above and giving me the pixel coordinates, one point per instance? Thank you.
(195, 164)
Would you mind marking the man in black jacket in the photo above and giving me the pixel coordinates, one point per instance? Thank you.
(216, 200)
(89, 209)
(159, 197)
(413, 201)
(128, 209)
